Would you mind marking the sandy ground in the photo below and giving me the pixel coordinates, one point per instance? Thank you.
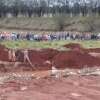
(68, 88)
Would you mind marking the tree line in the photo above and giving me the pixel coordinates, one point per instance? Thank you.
(49, 7)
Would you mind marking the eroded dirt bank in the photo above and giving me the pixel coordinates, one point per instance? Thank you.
(44, 59)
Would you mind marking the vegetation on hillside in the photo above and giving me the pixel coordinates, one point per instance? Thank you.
(81, 24)
(47, 44)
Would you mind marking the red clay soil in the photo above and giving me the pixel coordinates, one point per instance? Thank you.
(96, 50)
(42, 59)
(70, 88)
(73, 46)
(36, 59)
(78, 47)
(75, 59)
(46, 58)
(3, 53)
(48, 54)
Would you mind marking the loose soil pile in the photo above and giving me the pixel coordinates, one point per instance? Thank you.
(78, 47)
(73, 46)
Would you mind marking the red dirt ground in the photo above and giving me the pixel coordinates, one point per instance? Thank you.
(45, 88)
(71, 88)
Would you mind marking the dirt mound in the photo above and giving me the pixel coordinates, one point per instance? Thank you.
(78, 47)
(75, 59)
(73, 46)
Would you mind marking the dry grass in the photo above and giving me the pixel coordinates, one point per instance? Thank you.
(50, 24)
(55, 44)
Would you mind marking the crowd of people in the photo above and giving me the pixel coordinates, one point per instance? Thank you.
(49, 36)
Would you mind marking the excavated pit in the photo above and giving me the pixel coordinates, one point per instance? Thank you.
(78, 57)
